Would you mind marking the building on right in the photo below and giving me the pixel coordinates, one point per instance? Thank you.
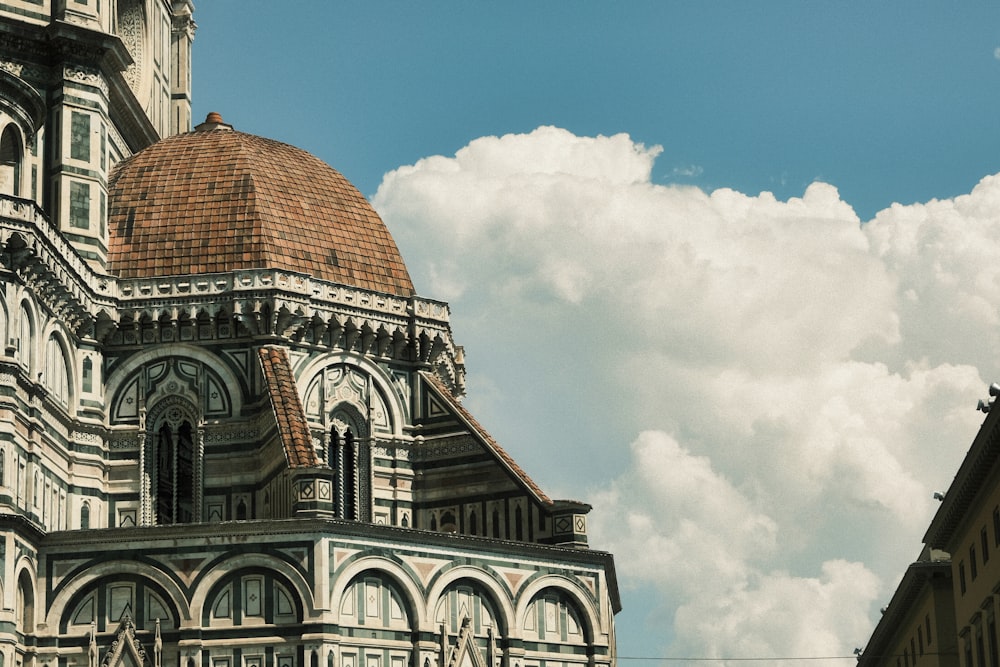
(945, 610)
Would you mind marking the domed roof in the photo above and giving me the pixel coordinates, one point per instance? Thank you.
(215, 200)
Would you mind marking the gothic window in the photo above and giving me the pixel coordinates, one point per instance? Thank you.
(349, 455)
(473, 528)
(11, 155)
(175, 488)
(496, 523)
(85, 516)
(3, 466)
(519, 523)
(56, 376)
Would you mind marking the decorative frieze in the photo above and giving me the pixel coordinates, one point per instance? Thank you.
(444, 447)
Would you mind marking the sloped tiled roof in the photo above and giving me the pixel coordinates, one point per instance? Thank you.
(288, 412)
(442, 393)
(215, 200)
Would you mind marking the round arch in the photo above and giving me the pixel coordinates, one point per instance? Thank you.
(24, 577)
(235, 576)
(92, 575)
(118, 379)
(310, 369)
(53, 331)
(26, 351)
(141, 611)
(500, 595)
(573, 590)
(221, 569)
(11, 159)
(366, 563)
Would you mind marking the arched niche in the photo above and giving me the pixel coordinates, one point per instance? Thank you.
(252, 596)
(105, 601)
(11, 160)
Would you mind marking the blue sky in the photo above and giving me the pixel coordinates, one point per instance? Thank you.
(891, 101)
(736, 380)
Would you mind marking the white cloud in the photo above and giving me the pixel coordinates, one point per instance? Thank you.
(793, 380)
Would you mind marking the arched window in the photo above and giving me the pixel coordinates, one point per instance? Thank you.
(56, 376)
(11, 155)
(349, 454)
(85, 516)
(496, 523)
(473, 527)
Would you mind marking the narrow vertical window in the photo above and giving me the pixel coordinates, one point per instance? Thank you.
(973, 567)
(88, 375)
(11, 153)
(961, 577)
(985, 544)
(175, 475)
(85, 516)
(992, 631)
(996, 526)
(349, 462)
(79, 205)
(79, 140)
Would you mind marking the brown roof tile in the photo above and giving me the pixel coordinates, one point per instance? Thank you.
(216, 200)
(288, 412)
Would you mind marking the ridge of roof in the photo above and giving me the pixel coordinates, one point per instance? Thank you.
(465, 416)
(289, 415)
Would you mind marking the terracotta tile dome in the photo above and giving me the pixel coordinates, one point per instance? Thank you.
(215, 200)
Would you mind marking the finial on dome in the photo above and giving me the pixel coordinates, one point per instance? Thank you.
(213, 121)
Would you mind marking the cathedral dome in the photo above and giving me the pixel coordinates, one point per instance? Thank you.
(215, 200)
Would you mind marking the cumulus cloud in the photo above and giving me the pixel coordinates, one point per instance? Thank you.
(758, 396)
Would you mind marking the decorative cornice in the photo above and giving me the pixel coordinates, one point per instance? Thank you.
(979, 463)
